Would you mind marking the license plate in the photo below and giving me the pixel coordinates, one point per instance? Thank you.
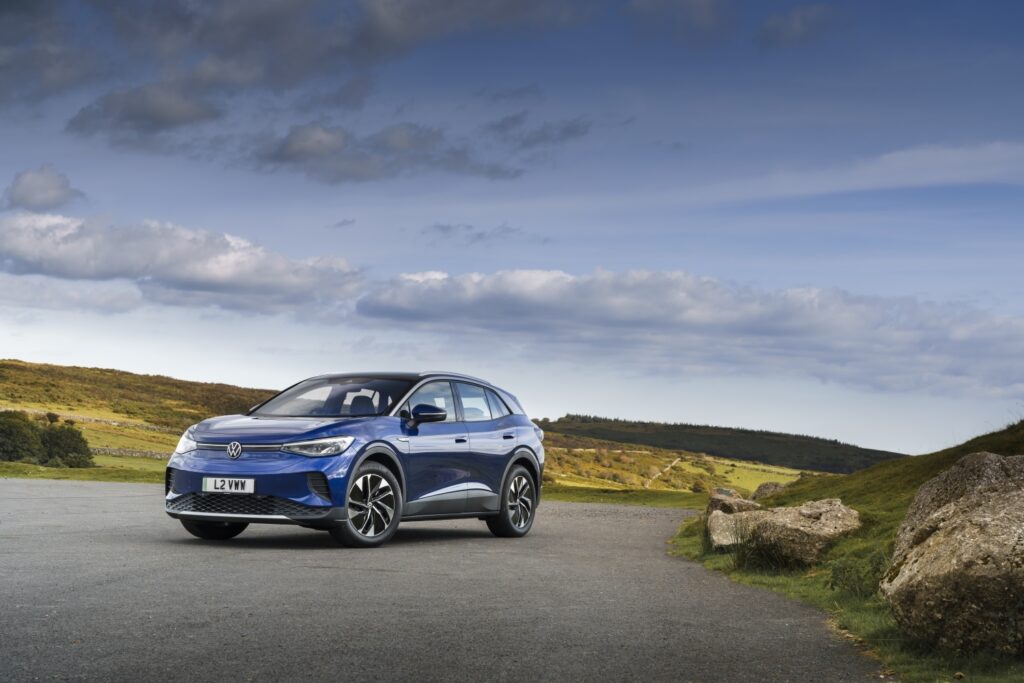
(226, 485)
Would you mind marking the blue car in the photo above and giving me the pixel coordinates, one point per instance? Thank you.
(357, 454)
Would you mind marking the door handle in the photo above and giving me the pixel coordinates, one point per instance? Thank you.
(460, 439)
(508, 436)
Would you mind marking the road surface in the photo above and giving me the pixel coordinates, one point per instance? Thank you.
(97, 583)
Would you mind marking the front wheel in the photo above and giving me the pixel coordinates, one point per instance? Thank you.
(374, 508)
(214, 531)
(518, 502)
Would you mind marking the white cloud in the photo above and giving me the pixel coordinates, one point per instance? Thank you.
(929, 166)
(39, 291)
(172, 264)
(40, 189)
(684, 324)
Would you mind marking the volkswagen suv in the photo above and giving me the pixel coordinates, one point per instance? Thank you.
(356, 454)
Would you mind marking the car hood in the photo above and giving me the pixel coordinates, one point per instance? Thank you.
(255, 429)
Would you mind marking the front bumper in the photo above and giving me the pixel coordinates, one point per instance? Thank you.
(288, 489)
(250, 508)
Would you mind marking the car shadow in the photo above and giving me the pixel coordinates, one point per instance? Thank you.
(312, 539)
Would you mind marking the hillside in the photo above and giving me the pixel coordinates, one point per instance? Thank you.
(121, 412)
(881, 494)
(116, 395)
(594, 463)
(772, 448)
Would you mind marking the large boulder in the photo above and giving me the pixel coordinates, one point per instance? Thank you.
(800, 535)
(785, 535)
(767, 489)
(725, 531)
(730, 504)
(957, 576)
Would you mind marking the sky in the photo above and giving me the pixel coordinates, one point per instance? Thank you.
(794, 216)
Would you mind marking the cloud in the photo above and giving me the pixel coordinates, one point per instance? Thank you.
(800, 25)
(472, 235)
(343, 223)
(393, 26)
(512, 129)
(351, 96)
(929, 166)
(679, 323)
(41, 292)
(332, 154)
(531, 91)
(507, 125)
(688, 18)
(145, 110)
(41, 53)
(174, 265)
(40, 189)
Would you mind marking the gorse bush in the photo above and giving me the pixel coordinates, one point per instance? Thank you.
(42, 442)
(19, 438)
(858, 576)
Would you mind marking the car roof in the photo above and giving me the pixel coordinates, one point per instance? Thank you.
(409, 376)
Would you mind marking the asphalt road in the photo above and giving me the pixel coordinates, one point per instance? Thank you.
(97, 583)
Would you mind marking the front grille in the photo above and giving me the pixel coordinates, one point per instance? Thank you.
(226, 503)
(318, 485)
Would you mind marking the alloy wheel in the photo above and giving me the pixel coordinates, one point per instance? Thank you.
(371, 505)
(520, 501)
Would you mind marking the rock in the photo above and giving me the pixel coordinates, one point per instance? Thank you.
(786, 535)
(730, 504)
(957, 576)
(726, 492)
(767, 489)
(801, 535)
(972, 474)
(726, 530)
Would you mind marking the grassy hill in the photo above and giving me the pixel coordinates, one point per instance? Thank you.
(881, 494)
(116, 409)
(773, 448)
(120, 411)
(594, 463)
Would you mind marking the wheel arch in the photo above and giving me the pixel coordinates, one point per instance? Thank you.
(525, 457)
(383, 455)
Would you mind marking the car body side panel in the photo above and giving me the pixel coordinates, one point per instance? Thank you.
(436, 469)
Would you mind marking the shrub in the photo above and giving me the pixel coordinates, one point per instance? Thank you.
(699, 486)
(858, 575)
(19, 438)
(66, 445)
(52, 418)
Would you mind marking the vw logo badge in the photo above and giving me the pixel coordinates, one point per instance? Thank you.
(234, 450)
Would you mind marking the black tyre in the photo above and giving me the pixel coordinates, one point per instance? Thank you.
(374, 508)
(214, 531)
(518, 504)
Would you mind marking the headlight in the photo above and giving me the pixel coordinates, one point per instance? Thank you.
(185, 443)
(320, 447)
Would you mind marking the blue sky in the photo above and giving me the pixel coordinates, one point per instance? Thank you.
(794, 216)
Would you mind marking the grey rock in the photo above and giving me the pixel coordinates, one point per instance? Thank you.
(957, 576)
(767, 489)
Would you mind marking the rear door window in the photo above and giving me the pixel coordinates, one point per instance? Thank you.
(475, 407)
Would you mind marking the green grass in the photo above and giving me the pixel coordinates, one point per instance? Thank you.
(108, 468)
(882, 495)
(649, 497)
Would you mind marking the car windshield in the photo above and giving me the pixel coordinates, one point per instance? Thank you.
(336, 397)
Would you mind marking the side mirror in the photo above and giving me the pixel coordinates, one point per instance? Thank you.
(424, 412)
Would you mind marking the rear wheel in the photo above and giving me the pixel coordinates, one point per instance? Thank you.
(214, 531)
(374, 508)
(518, 502)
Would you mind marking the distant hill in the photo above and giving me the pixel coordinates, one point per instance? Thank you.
(774, 448)
(114, 394)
